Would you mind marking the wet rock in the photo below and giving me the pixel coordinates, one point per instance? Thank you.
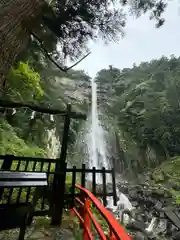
(158, 177)
(123, 189)
(136, 225)
(37, 235)
(135, 203)
(2, 236)
(64, 234)
(140, 236)
(173, 185)
(149, 198)
(147, 178)
(176, 236)
(159, 192)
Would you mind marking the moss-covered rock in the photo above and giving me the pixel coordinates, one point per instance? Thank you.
(166, 179)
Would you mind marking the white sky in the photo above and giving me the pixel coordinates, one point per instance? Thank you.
(142, 42)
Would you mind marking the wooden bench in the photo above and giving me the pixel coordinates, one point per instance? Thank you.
(20, 214)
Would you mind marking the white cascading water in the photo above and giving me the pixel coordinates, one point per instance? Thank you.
(95, 139)
(152, 225)
(53, 145)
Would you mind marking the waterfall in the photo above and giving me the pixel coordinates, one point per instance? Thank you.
(93, 146)
(53, 145)
(95, 125)
(95, 138)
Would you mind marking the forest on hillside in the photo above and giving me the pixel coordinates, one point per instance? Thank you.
(36, 36)
(140, 104)
(66, 24)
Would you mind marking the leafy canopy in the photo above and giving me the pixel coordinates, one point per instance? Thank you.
(24, 83)
(145, 100)
(74, 22)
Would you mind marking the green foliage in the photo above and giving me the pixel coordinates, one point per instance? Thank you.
(76, 22)
(44, 86)
(35, 79)
(69, 178)
(23, 83)
(78, 234)
(166, 177)
(144, 103)
(103, 223)
(155, 7)
(12, 144)
(169, 169)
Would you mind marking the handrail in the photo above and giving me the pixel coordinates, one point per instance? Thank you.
(117, 232)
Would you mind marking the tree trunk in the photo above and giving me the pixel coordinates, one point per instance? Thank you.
(15, 16)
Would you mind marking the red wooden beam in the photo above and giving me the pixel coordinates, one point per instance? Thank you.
(97, 226)
(117, 230)
(87, 222)
(90, 237)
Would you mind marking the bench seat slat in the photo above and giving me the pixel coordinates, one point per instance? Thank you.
(22, 179)
(23, 183)
(21, 175)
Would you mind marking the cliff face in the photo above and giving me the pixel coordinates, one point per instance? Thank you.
(138, 104)
(46, 131)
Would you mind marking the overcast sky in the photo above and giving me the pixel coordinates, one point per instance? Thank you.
(142, 42)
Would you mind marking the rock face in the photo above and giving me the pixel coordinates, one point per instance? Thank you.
(154, 216)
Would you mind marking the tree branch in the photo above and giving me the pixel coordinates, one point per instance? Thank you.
(52, 60)
(68, 68)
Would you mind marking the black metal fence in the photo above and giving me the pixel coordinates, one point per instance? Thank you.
(61, 181)
(56, 169)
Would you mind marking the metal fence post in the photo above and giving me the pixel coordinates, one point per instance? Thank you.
(60, 173)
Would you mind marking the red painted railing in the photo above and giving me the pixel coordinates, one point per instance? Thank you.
(83, 212)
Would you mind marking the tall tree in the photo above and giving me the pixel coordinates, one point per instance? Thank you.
(72, 22)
